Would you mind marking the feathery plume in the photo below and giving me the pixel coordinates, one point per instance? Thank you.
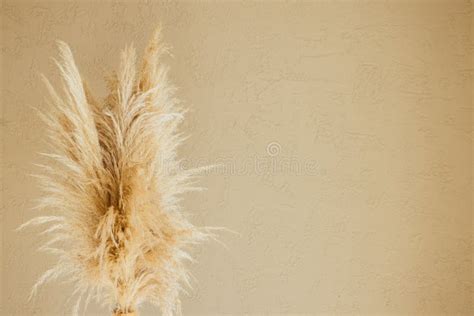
(113, 187)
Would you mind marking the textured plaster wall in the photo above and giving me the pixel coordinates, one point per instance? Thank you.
(344, 129)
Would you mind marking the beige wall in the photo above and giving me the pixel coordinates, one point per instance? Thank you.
(370, 101)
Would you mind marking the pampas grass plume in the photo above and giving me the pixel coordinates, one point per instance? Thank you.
(113, 186)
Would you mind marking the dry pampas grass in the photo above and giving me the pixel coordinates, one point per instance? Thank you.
(113, 187)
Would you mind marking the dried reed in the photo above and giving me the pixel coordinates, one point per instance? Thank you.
(113, 186)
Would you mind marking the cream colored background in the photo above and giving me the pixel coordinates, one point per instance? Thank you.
(374, 96)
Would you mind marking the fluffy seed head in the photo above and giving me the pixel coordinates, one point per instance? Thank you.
(113, 185)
